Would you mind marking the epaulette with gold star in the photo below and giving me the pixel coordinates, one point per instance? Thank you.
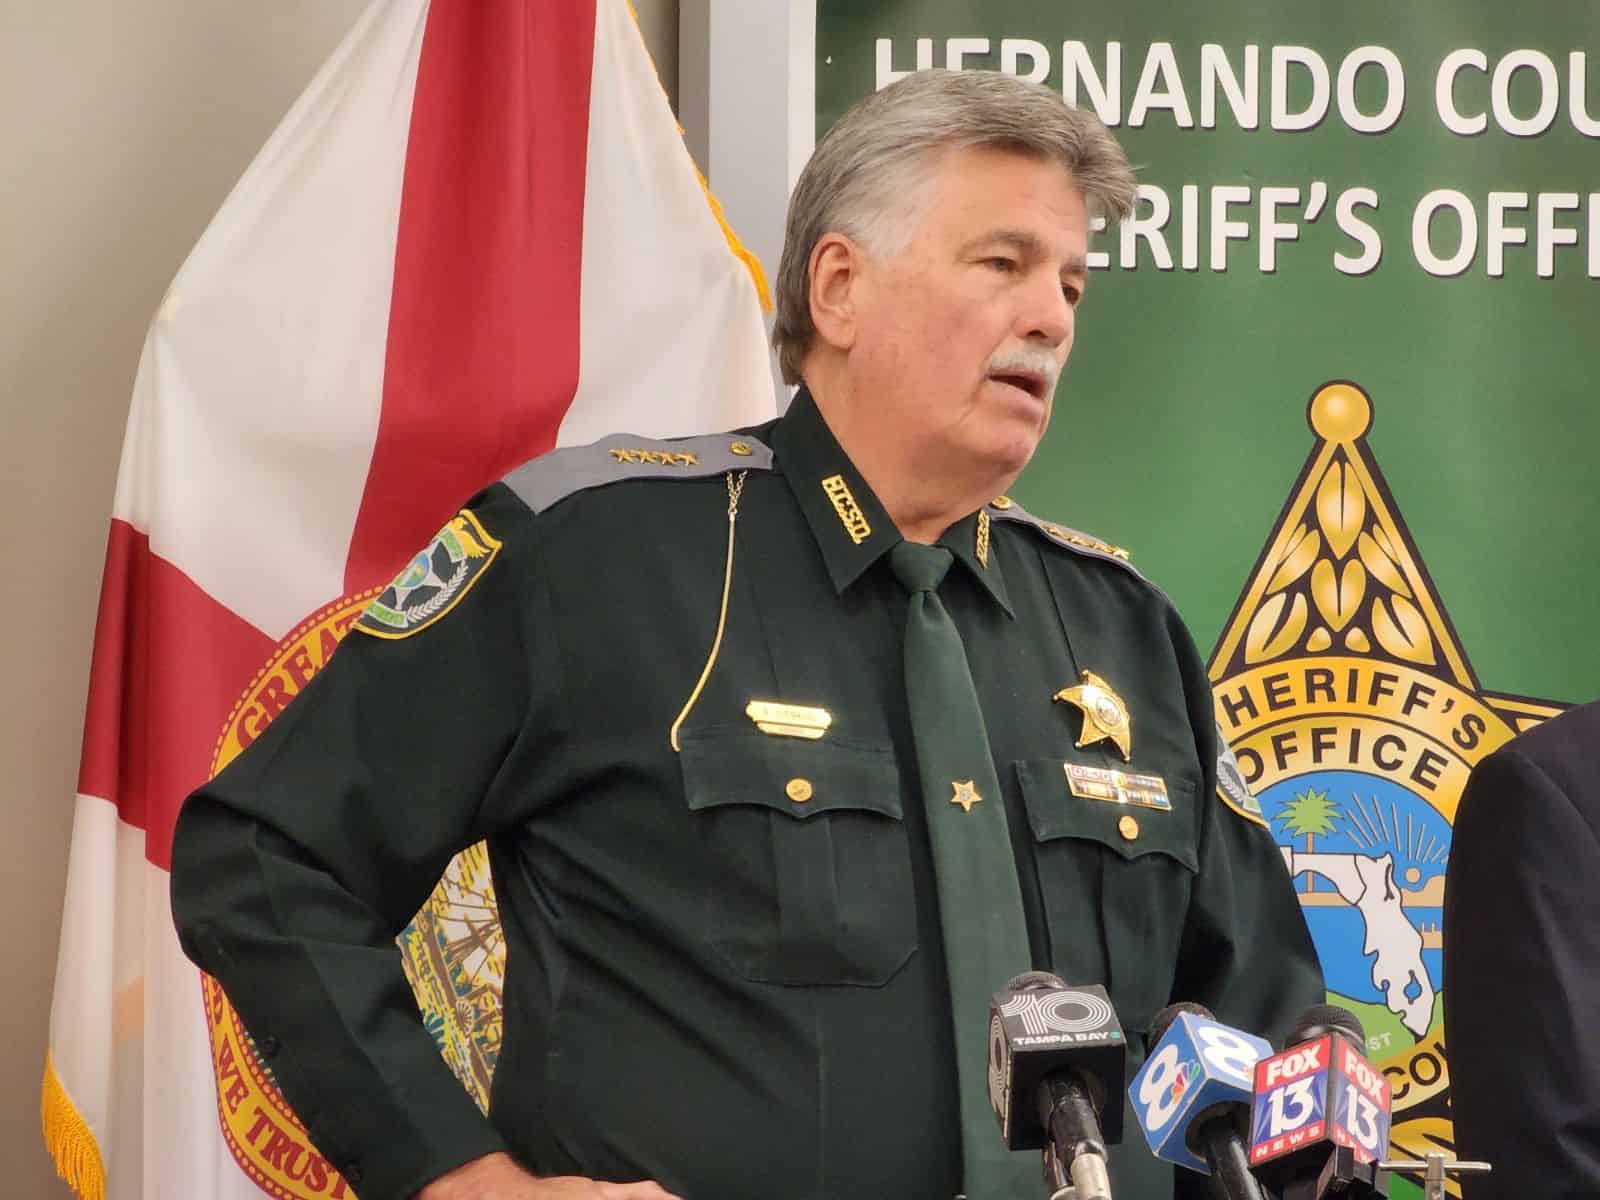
(1004, 508)
(547, 480)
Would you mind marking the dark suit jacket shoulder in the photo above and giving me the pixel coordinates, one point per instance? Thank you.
(1522, 964)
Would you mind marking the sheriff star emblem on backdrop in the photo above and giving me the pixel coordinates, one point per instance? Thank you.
(1354, 717)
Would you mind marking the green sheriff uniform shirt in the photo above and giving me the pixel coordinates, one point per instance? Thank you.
(723, 964)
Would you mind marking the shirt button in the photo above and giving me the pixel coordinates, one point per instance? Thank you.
(1128, 828)
(269, 1046)
(742, 449)
(799, 790)
(1001, 502)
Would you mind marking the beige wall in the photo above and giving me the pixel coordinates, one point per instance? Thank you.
(122, 126)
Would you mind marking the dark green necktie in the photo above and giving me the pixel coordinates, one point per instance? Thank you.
(980, 901)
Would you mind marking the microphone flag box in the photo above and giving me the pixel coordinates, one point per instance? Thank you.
(1362, 1104)
(1198, 1066)
(1038, 1031)
(1321, 1091)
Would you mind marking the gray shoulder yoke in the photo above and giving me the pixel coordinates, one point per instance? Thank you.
(547, 480)
(1004, 508)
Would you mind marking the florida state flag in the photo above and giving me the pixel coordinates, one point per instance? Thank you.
(476, 236)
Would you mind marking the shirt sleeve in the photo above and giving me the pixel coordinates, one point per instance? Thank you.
(1246, 953)
(295, 868)
(1522, 958)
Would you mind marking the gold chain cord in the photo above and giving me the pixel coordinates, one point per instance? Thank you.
(735, 487)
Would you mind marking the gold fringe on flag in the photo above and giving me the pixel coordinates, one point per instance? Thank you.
(747, 257)
(744, 255)
(67, 1137)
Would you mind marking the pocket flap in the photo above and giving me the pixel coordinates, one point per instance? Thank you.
(1054, 812)
(788, 775)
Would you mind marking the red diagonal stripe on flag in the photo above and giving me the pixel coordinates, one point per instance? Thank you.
(169, 663)
(482, 357)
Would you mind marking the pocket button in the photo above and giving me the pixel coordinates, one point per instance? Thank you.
(798, 789)
(1128, 828)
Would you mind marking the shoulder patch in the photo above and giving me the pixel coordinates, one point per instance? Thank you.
(1231, 787)
(547, 480)
(1004, 508)
(433, 582)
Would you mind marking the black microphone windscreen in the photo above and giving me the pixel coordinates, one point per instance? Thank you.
(1034, 981)
(1163, 1020)
(1327, 1018)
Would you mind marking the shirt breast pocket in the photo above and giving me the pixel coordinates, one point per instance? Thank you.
(807, 869)
(1115, 880)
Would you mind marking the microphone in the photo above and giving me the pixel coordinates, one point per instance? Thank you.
(1319, 1119)
(1192, 1097)
(1056, 1054)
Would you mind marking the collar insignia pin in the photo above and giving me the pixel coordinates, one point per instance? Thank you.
(844, 503)
(1105, 716)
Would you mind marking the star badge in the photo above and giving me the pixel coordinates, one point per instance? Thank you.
(966, 795)
(1105, 716)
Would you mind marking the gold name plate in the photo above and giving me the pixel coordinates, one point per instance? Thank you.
(1117, 787)
(789, 720)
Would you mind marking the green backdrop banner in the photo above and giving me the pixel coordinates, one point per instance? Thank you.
(1333, 389)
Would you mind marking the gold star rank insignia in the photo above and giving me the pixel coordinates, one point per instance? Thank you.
(1105, 716)
(966, 795)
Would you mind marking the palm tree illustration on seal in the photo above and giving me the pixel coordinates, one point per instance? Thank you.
(1309, 815)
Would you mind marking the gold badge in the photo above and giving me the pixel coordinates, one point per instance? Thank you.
(1105, 716)
(966, 794)
(789, 720)
(844, 503)
(1117, 787)
(983, 539)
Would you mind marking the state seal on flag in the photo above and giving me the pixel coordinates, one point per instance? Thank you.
(1354, 718)
(453, 952)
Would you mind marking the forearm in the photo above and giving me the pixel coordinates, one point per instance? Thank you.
(315, 976)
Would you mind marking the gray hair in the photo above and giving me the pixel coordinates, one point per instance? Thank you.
(866, 177)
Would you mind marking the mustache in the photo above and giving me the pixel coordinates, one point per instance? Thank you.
(1026, 360)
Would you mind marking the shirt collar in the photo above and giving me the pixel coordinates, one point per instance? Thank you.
(851, 527)
(969, 539)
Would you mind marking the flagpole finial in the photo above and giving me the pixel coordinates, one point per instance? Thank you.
(1340, 412)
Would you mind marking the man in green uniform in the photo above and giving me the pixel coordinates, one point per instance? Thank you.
(790, 745)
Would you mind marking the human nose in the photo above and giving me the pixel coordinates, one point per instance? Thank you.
(1047, 315)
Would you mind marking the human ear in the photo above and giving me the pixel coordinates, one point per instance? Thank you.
(835, 275)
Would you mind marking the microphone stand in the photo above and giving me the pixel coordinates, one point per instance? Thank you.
(1056, 1178)
(1230, 1171)
(1434, 1170)
(1071, 1115)
(1060, 1182)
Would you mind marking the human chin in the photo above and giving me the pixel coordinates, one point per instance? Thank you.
(1011, 437)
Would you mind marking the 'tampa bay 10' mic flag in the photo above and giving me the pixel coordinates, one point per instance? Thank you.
(477, 235)
(1057, 1060)
(1198, 1071)
(1041, 1026)
(1319, 1093)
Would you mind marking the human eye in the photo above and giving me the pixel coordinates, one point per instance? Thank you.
(1072, 292)
(1003, 263)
